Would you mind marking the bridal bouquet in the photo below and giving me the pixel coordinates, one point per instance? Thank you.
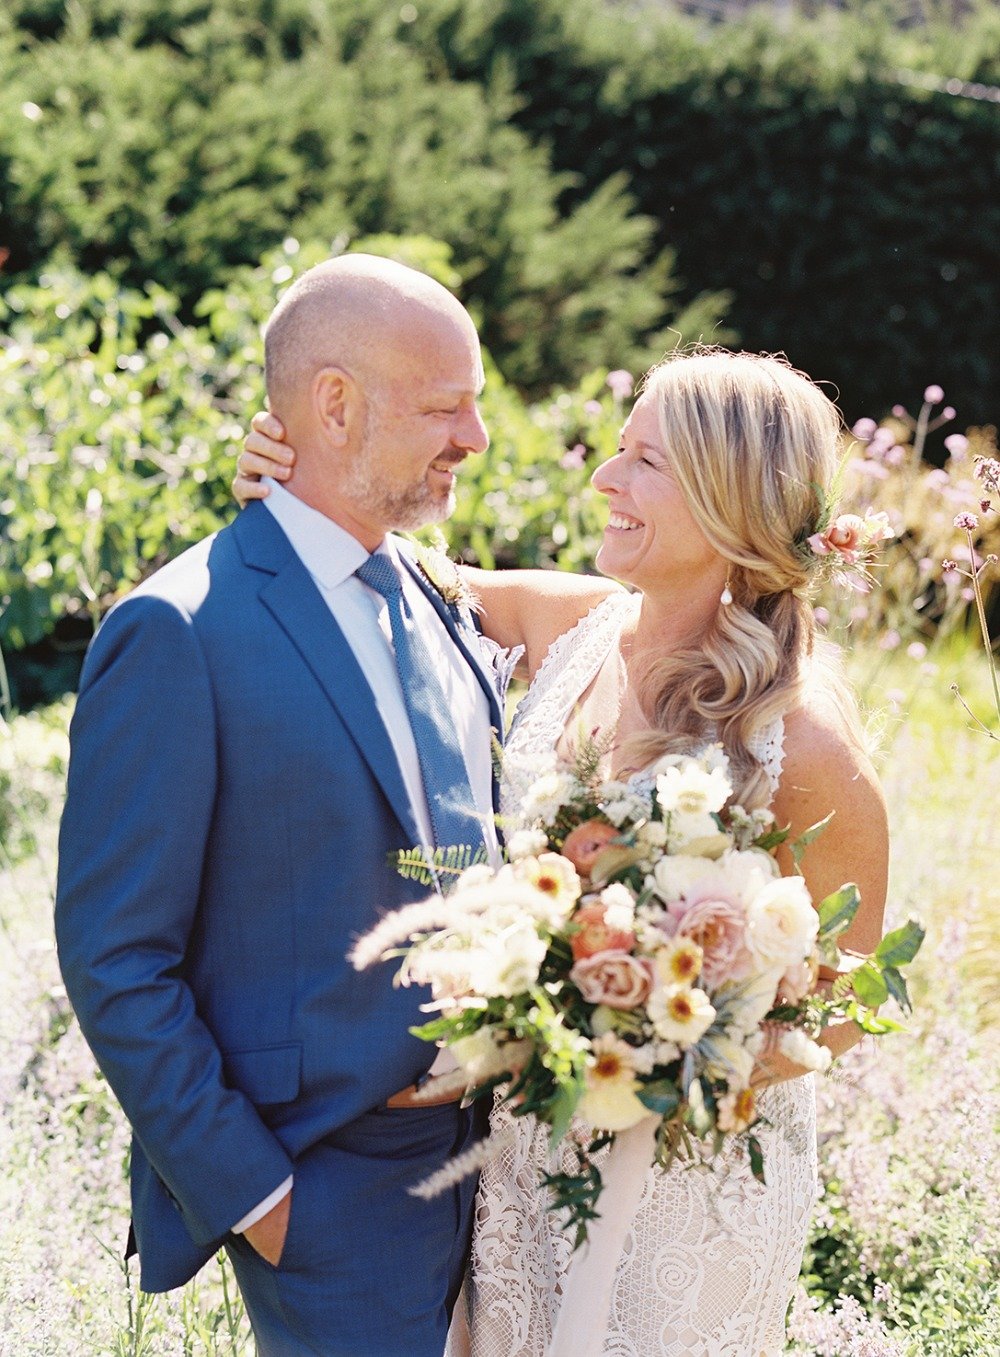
(637, 955)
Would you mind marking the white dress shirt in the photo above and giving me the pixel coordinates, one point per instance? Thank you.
(331, 555)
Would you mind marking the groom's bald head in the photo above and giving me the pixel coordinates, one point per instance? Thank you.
(354, 312)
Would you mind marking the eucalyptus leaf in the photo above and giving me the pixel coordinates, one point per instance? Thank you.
(869, 986)
(838, 910)
(901, 945)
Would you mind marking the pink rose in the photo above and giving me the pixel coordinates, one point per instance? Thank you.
(613, 978)
(719, 929)
(843, 536)
(595, 935)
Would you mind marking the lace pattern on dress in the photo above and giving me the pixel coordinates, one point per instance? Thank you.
(712, 1257)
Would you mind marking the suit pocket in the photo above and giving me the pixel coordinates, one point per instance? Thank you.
(269, 1074)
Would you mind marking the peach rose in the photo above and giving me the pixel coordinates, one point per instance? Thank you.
(584, 844)
(595, 935)
(613, 978)
(842, 536)
(719, 929)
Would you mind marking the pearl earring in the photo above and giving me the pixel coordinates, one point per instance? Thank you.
(726, 597)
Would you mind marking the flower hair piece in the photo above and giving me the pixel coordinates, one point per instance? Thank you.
(841, 547)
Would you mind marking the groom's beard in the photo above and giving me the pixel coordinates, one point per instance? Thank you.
(402, 508)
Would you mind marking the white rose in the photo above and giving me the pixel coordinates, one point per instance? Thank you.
(781, 923)
(675, 877)
(802, 1050)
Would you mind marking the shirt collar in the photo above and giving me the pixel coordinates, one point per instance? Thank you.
(328, 551)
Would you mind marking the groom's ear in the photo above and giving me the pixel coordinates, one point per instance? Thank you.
(338, 403)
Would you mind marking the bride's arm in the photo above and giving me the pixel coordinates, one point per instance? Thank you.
(519, 607)
(826, 770)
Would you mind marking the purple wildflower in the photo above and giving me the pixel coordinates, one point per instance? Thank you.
(621, 384)
(967, 522)
(574, 458)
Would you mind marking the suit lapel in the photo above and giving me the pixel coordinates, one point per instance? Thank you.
(300, 610)
(467, 640)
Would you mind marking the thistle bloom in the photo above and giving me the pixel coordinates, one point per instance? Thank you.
(621, 384)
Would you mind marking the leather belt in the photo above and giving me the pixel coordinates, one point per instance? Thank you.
(412, 1097)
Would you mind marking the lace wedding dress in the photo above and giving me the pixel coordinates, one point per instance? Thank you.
(712, 1256)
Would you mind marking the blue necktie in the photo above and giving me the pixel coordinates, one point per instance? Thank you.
(454, 817)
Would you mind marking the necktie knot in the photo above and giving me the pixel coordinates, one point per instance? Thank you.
(379, 573)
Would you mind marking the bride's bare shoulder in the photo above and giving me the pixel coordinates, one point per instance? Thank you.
(534, 607)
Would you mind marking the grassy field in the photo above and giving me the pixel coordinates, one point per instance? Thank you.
(906, 1245)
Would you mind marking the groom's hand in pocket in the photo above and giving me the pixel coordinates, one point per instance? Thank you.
(267, 1235)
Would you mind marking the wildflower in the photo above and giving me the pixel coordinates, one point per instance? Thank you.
(967, 522)
(737, 1110)
(865, 430)
(681, 1014)
(593, 407)
(679, 963)
(610, 1098)
(553, 876)
(933, 394)
(574, 458)
(957, 444)
(621, 383)
(948, 566)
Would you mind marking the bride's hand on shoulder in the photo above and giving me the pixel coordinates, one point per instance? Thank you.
(265, 453)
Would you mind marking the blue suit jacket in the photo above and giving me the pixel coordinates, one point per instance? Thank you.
(233, 805)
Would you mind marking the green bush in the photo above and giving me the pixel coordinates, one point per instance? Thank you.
(121, 425)
(853, 217)
(176, 142)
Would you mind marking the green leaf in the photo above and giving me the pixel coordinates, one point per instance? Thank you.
(773, 839)
(896, 985)
(756, 1158)
(562, 1107)
(869, 986)
(837, 911)
(901, 945)
(799, 845)
(662, 1096)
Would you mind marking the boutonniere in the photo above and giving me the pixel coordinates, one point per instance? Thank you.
(443, 575)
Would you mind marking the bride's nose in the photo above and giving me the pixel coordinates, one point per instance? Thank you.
(608, 476)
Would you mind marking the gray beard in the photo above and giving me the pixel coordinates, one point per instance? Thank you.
(401, 510)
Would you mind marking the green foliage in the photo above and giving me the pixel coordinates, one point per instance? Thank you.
(121, 424)
(851, 212)
(176, 142)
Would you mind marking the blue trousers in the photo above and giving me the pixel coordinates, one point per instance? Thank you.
(367, 1269)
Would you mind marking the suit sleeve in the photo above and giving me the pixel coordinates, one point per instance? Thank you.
(141, 789)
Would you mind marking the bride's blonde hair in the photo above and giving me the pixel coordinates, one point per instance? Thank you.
(754, 445)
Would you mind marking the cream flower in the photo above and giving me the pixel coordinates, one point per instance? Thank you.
(482, 1055)
(681, 1014)
(508, 962)
(728, 1059)
(553, 877)
(737, 1110)
(679, 963)
(619, 907)
(609, 1101)
(547, 795)
(689, 788)
(526, 843)
(782, 923)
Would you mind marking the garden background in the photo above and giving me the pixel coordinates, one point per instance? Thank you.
(599, 182)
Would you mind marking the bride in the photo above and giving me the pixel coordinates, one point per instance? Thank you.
(713, 495)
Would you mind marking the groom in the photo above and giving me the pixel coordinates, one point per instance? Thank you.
(296, 668)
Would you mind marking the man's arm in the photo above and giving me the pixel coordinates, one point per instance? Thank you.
(139, 805)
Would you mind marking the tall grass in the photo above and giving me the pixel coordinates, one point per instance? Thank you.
(905, 1253)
